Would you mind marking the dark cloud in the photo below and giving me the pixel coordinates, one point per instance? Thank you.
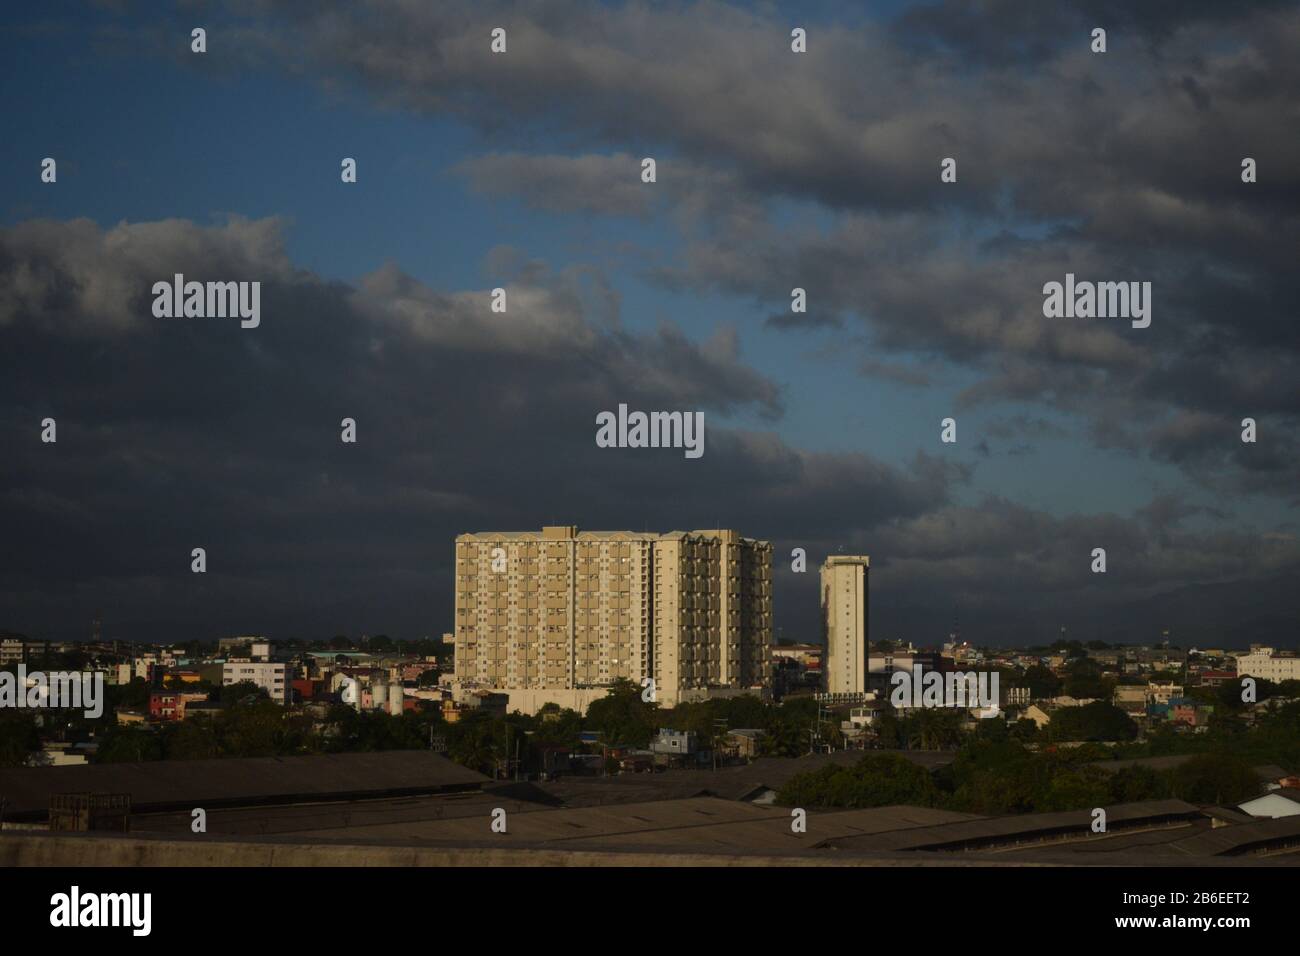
(803, 320)
(181, 433)
(1016, 32)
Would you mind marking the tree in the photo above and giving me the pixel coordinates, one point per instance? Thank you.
(622, 717)
(993, 729)
(1215, 778)
(1077, 789)
(888, 730)
(132, 696)
(233, 695)
(472, 744)
(18, 737)
(877, 780)
(1042, 682)
(254, 729)
(933, 729)
(1084, 681)
(1024, 730)
(1096, 721)
(129, 744)
(1135, 783)
(192, 739)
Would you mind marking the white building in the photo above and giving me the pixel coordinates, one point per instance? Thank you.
(844, 619)
(273, 678)
(1264, 663)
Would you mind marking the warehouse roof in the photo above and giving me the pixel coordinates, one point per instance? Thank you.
(699, 823)
(175, 784)
(1270, 772)
(732, 783)
(1243, 838)
(1002, 831)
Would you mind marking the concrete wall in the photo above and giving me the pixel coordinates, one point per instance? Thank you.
(20, 849)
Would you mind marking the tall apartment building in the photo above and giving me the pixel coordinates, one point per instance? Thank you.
(844, 621)
(559, 615)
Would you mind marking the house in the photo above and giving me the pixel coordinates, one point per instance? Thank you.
(1215, 678)
(1162, 692)
(744, 741)
(1190, 713)
(1039, 716)
(670, 741)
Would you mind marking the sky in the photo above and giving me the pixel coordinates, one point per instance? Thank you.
(774, 170)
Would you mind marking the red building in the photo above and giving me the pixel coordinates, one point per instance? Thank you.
(165, 706)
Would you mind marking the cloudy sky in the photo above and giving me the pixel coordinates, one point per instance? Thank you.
(775, 170)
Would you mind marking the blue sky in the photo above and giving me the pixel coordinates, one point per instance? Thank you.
(187, 139)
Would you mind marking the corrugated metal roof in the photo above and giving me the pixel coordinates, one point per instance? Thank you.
(1229, 841)
(1270, 772)
(168, 784)
(1009, 828)
(731, 783)
(696, 823)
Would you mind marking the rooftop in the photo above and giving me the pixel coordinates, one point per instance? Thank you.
(183, 784)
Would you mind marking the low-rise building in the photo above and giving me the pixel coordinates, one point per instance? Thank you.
(271, 677)
(673, 742)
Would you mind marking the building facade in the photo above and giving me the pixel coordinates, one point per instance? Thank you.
(844, 623)
(273, 678)
(1265, 663)
(559, 615)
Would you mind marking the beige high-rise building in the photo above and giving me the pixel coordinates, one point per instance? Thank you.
(844, 619)
(559, 615)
